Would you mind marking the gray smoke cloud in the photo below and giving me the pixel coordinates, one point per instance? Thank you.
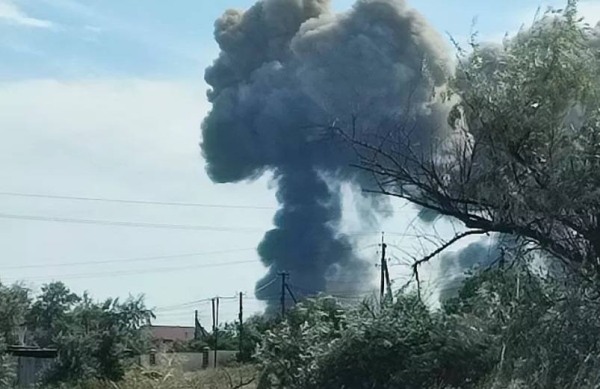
(286, 69)
(454, 266)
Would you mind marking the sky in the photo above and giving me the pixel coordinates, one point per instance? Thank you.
(103, 99)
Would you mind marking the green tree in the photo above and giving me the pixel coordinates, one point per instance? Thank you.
(49, 316)
(100, 340)
(14, 303)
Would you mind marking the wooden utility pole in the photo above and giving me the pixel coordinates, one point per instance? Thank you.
(287, 286)
(385, 274)
(196, 329)
(382, 273)
(241, 319)
(215, 317)
(284, 276)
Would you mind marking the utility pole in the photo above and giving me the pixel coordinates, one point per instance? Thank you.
(196, 329)
(284, 275)
(382, 272)
(215, 317)
(385, 274)
(287, 286)
(241, 318)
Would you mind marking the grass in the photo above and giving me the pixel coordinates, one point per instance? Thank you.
(238, 377)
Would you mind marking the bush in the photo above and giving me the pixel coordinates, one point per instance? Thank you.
(403, 344)
(7, 367)
(506, 327)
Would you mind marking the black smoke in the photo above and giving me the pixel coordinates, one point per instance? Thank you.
(286, 71)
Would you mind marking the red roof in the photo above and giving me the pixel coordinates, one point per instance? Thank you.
(172, 333)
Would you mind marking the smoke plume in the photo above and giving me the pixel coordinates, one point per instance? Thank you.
(289, 68)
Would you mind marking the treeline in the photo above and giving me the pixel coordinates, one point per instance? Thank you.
(94, 339)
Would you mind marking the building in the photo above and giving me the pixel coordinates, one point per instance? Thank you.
(165, 336)
(171, 334)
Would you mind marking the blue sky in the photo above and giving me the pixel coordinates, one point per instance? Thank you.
(103, 98)
(71, 39)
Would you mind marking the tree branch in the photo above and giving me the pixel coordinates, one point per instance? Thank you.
(446, 245)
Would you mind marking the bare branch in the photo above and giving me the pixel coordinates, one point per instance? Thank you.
(446, 245)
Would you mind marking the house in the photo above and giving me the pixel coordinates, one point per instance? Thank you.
(162, 355)
(171, 334)
(167, 335)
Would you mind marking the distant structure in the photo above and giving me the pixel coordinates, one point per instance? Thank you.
(168, 335)
(164, 337)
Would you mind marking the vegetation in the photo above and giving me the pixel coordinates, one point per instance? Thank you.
(94, 339)
(506, 328)
(227, 378)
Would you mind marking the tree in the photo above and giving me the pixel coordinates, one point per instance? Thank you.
(523, 156)
(49, 314)
(100, 340)
(255, 329)
(14, 303)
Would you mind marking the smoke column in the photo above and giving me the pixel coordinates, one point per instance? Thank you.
(287, 69)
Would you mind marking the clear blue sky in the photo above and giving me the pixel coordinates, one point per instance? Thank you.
(103, 98)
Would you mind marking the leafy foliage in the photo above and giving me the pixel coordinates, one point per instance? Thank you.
(290, 349)
(505, 327)
(94, 339)
(7, 366)
(98, 339)
(14, 304)
(49, 314)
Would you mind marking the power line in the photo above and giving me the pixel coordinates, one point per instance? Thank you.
(193, 304)
(129, 224)
(126, 260)
(182, 305)
(137, 259)
(142, 202)
(133, 272)
(271, 297)
(336, 293)
(120, 223)
(265, 286)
